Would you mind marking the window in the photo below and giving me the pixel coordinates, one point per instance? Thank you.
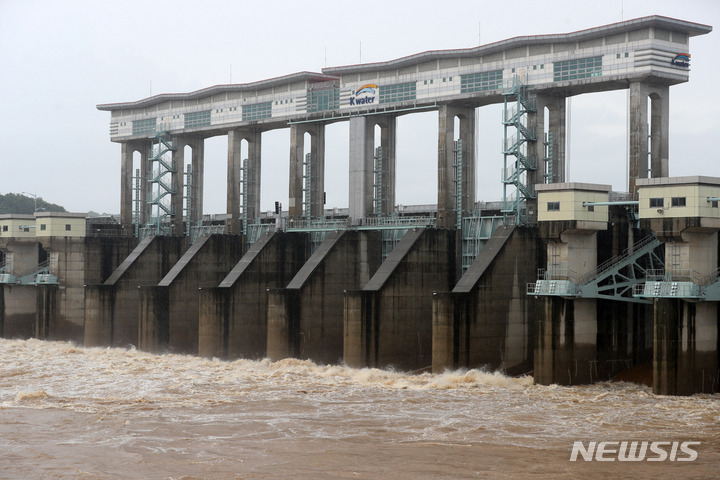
(143, 127)
(656, 203)
(398, 93)
(591, 208)
(256, 111)
(42, 226)
(197, 119)
(477, 82)
(5, 227)
(323, 100)
(575, 69)
(67, 227)
(714, 204)
(678, 201)
(553, 206)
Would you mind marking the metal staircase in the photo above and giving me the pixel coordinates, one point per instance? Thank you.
(516, 189)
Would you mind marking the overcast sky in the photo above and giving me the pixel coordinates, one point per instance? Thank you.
(59, 59)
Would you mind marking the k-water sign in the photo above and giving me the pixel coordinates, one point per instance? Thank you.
(365, 95)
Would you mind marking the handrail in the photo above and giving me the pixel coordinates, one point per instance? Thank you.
(610, 263)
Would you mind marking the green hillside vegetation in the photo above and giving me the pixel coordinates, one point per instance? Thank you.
(17, 203)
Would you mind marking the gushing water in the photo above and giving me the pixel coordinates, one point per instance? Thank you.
(72, 412)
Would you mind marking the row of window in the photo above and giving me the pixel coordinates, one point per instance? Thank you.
(654, 203)
(197, 119)
(323, 100)
(329, 99)
(674, 202)
(578, 68)
(398, 93)
(43, 226)
(477, 82)
(256, 111)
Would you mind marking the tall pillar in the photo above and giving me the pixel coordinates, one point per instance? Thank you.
(556, 106)
(254, 139)
(235, 178)
(446, 215)
(317, 170)
(126, 173)
(649, 147)
(361, 142)
(145, 186)
(362, 164)
(388, 135)
(198, 180)
(176, 198)
(127, 185)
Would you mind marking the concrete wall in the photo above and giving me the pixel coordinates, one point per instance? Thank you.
(233, 316)
(306, 319)
(488, 320)
(389, 321)
(76, 261)
(685, 359)
(112, 310)
(19, 311)
(169, 311)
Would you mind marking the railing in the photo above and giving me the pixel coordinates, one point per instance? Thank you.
(607, 265)
(399, 222)
(315, 224)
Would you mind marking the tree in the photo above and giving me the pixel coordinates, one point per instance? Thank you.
(21, 204)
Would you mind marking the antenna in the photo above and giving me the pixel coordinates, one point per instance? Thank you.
(360, 51)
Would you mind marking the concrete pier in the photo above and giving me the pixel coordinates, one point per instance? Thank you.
(389, 321)
(455, 179)
(307, 179)
(112, 309)
(233, 316)
(364, 174)
(488, 320)
(169, 310)
(305, 319)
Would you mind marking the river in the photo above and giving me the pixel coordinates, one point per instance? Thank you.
(94, 413)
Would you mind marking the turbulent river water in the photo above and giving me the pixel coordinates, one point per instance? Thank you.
(93, 413)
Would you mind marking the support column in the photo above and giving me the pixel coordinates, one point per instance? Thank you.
(362, 164)
(198, 173)
(556, 106)
(317, 171)
(361, 167)
(388, 135)
(253, 172)
(145, 185)
(648, 156)
(176, 198)
(446, 215)
(126, 173)
(236, 178)
(233, 223)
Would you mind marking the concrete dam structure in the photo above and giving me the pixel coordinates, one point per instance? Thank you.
(569, 281)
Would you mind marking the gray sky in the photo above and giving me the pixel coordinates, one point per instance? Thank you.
(59, 59)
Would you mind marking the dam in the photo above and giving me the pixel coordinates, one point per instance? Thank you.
(571, 281)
